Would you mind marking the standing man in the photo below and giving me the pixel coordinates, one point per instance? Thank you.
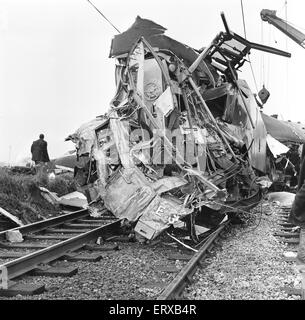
(39, 150)
(297, 214)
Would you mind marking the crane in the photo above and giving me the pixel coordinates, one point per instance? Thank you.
(284, 26)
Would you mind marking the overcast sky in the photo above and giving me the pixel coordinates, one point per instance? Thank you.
(55, 73)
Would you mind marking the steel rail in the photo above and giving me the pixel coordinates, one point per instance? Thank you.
(29, 262)
(52, 222)
(173, 290)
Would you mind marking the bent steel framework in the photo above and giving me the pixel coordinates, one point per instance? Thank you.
(181, 130)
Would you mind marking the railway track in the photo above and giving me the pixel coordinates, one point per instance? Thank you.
(47, 241)
(162, 274)
(286, 232)
(289, 234)
(68, 237)
(175, 289)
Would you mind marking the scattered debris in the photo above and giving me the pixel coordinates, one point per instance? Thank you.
(51, 176)
(264, 182)
(62, 169)
(186, 246)
(14, 236)
(74, 199)
(50, 196)
(285, 199)
(295, 229)
(11, 217)
(284, 140)
(99, 240)
(276, 147)
(290, 255)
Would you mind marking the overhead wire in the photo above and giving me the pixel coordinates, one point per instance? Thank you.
(265, 63)
(268, 58)
(282, 7)
(286, 38)
(243, 15)
(104, 16)
(262, 66)
(245, 33)
(253, 75)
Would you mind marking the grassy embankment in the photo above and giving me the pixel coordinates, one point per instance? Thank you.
(20, 194)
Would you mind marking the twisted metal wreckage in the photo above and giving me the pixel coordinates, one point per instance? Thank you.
(183, 136)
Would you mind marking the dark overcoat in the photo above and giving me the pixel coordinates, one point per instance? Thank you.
(39, 151)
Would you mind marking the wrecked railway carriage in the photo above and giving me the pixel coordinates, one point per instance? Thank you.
(183, 137)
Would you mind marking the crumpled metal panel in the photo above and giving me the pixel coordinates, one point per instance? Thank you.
(123, 42)
(159, 215)
(120, 130)
(85, 138)
(283, 131)
(154, 34)
(128, 193)
(254, 138)
(168, 183)
(257, 151)
(275, 146)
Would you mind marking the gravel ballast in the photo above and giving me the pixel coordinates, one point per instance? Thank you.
(135, 272)
(249, 265)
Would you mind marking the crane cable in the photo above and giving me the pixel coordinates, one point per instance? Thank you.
(282, 7)
(262, 64)
(291, 23)
(268, 58)
(242, 12)
(286, 38)
(104, 17)
(244, 24)
(265, 63)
